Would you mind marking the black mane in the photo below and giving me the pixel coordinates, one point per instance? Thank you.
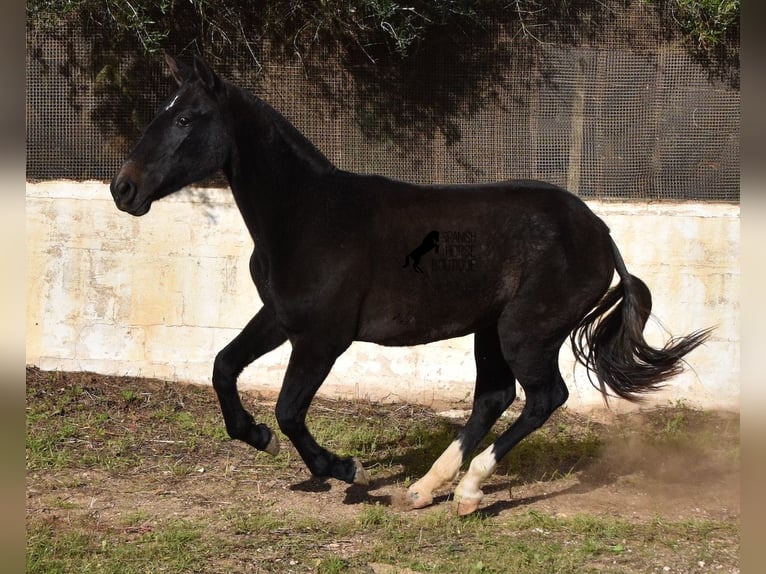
(304, 150)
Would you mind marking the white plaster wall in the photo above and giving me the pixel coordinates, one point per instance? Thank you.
(158, 296)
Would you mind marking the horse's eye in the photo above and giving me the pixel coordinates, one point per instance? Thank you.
(183, 121)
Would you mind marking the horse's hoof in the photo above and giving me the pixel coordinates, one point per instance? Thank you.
(466, 506)
(418, 500)
(273, 447)
(360, 476)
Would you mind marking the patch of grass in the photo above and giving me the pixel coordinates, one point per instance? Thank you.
(252, 522)
(172, 547)
(531, 542)
(376, 516)
(135, 518)
(53, 552)
(129, 396)
(332, 565)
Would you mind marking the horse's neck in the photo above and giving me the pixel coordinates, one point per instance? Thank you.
(272, 165)
(303, 151)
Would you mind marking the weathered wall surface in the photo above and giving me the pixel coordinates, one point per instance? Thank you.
(158, 296)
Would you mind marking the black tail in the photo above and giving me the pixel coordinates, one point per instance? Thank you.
(609, 340)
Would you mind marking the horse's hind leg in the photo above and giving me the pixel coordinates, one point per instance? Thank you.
(545, 391)
(494, 392)
(260, 335)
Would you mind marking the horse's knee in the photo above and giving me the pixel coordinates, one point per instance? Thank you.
(224, 375)
(288, 419)
(219, 371)
(238, 421)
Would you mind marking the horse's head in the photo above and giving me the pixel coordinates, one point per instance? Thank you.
(185, 142)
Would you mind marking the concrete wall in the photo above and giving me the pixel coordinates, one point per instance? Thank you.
(158, 296)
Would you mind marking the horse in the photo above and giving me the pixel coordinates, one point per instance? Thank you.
(326, 264)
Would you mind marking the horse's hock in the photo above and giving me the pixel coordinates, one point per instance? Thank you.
(90, 306)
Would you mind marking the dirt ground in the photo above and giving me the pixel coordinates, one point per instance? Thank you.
(662, 464)
(640, 476)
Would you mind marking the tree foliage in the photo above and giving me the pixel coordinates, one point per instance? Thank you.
(708, 24)
(375, 28)
(387, 46)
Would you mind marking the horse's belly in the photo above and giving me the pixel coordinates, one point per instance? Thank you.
(403, 317)
(402, 331)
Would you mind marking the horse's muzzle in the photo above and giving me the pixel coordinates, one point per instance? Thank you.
(124, 188)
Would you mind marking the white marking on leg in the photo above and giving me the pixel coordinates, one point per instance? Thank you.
(443, 470)
(468, 493)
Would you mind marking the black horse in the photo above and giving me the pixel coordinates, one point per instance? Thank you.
(327, 265)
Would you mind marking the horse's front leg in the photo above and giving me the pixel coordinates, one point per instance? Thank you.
(261, 335)
(310, 363)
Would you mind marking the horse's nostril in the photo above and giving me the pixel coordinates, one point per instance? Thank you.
(124, 190)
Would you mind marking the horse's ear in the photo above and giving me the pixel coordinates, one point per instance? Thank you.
(175, 68)
(206, 74)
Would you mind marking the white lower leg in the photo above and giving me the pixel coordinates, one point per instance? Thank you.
(443, 470)
(468, 493)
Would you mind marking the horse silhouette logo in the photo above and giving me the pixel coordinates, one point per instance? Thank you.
(430, 243)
